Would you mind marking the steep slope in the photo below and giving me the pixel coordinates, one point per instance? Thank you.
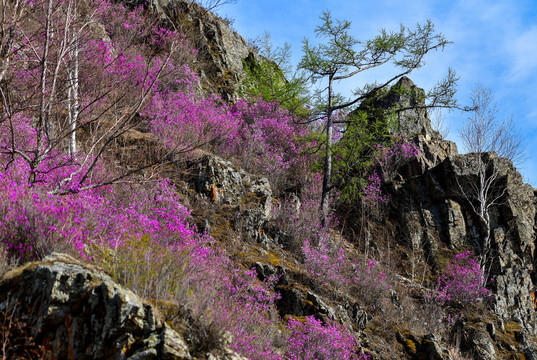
(221, 50)
(377, 287)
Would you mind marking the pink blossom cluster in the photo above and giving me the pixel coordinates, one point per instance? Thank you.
(301, 220)
(311, 340)
(325, 261)
(388, 158)
(186, 121)
(328, 263)
(373, 194)
(118, 73)
(38, 222)
(322, 252)
(463, 282)
(269, 141)
(34, 223)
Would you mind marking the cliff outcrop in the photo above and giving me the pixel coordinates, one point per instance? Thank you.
(433, 205)
(59, 308)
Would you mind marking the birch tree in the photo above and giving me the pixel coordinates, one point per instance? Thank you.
(484, 134)
(72, 94)
(65, 76)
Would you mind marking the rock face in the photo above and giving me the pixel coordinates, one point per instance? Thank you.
(476, 339)
(220, 49)
(75, 312)
(222, 183)
(402, 95)
(433, 204)
(220, 52)
(426, 347)
(434, 209)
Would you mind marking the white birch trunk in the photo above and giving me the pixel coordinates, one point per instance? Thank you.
(72, 93)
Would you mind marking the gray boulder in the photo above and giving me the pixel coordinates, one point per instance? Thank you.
(222, 183)
(72, 311)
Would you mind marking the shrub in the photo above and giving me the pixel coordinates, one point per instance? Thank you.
(390, 157)
(6, 262)
(312, 340)
(462, 282)
(269, 142)
(322, 249)
(184, 121)
(299, 218)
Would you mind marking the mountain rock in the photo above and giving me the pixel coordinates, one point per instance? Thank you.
(407, 101)
(222, 183)
(433, 205)
(67, 310)
(435, 208)
(221, 50)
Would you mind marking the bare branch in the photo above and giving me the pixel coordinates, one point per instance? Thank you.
(487, 137)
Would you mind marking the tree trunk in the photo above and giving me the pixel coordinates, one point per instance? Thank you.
(483, 211)
(328, 158)
(72, 103)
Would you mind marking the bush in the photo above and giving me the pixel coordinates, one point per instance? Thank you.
(269, 142)
(463, 282)
(312, 340)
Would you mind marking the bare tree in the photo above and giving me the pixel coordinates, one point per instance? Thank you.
(438, 122)
(214, 4)
(484, 134)
(10, 14)
(200, 6)
(52, 81)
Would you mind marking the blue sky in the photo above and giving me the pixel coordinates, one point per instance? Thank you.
(494, 43)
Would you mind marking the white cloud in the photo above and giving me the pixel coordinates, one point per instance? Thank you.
(522, 54)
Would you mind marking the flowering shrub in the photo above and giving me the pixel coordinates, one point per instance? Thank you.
(269, 141)
(299, 217)
(312, 340)
(326, 262)
(36, 222)
(141, 235)
(463, 282)
(388, 158)
(102, 81)
(322, 252)
(372, 192)
(185, 121)
(392, 156)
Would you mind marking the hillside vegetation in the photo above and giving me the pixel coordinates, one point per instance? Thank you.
(121, 148)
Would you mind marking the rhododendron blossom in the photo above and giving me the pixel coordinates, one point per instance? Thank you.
(462, 282)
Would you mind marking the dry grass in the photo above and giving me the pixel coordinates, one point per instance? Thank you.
(6, 262)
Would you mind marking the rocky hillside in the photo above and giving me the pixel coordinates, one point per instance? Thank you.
(221, 51)
(434, 212)
(218, 252)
